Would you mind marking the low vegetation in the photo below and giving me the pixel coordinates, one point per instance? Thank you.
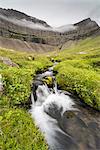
(17, 129)
(79, 71)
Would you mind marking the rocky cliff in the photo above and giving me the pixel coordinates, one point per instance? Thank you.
(83, 29)
(19, 26)
(14, 14)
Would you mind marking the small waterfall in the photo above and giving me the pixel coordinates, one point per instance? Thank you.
(48, 110)
(66, 124)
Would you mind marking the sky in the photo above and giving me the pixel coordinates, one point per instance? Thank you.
(57, 12)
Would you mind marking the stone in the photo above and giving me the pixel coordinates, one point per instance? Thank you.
(8, 61)
(53, 110)
(48, 80)
(1, 84)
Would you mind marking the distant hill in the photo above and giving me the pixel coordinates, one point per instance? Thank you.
(30, 30)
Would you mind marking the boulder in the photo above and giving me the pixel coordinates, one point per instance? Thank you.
(8, 61)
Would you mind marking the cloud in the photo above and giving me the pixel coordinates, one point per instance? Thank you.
(65, 28)
(29, 24)
(24, 23)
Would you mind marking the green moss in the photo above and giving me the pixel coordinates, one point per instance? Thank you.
(18, 80)
(83, 82)
(17, 131)
(79, 71)
(17, 85)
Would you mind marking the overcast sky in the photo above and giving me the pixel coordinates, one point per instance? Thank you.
(57, 12)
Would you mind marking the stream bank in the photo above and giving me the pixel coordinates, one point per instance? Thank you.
(65, 122)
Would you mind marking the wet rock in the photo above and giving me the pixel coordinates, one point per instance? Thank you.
(78, 130)
(65, 142)
(35, 85)
(94, 127)
(48, 80)
(53, 110)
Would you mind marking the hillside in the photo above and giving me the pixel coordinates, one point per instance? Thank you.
(79, 70)
(18, 45)
(24, 28)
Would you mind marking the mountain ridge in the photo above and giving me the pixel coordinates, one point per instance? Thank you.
(20, 15)
(18, 25)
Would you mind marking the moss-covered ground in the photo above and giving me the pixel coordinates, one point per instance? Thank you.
(79, 70)
(17, 129)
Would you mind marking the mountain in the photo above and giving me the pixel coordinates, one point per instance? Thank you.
(14, 14)
(18, 30)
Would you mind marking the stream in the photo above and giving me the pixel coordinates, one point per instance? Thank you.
(66, 122)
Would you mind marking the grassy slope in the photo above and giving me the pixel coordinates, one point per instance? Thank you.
(17, 129)
(79, 70)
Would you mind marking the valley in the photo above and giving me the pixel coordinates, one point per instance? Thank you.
(25, 52)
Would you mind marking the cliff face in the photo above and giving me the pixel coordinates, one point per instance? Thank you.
(17, 25)
(87, 27)
(83, 29)
(14, 14)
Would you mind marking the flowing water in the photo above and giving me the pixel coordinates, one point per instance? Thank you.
(66, 123)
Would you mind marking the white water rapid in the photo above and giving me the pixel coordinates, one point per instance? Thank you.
(48, 110)
(66, 122)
